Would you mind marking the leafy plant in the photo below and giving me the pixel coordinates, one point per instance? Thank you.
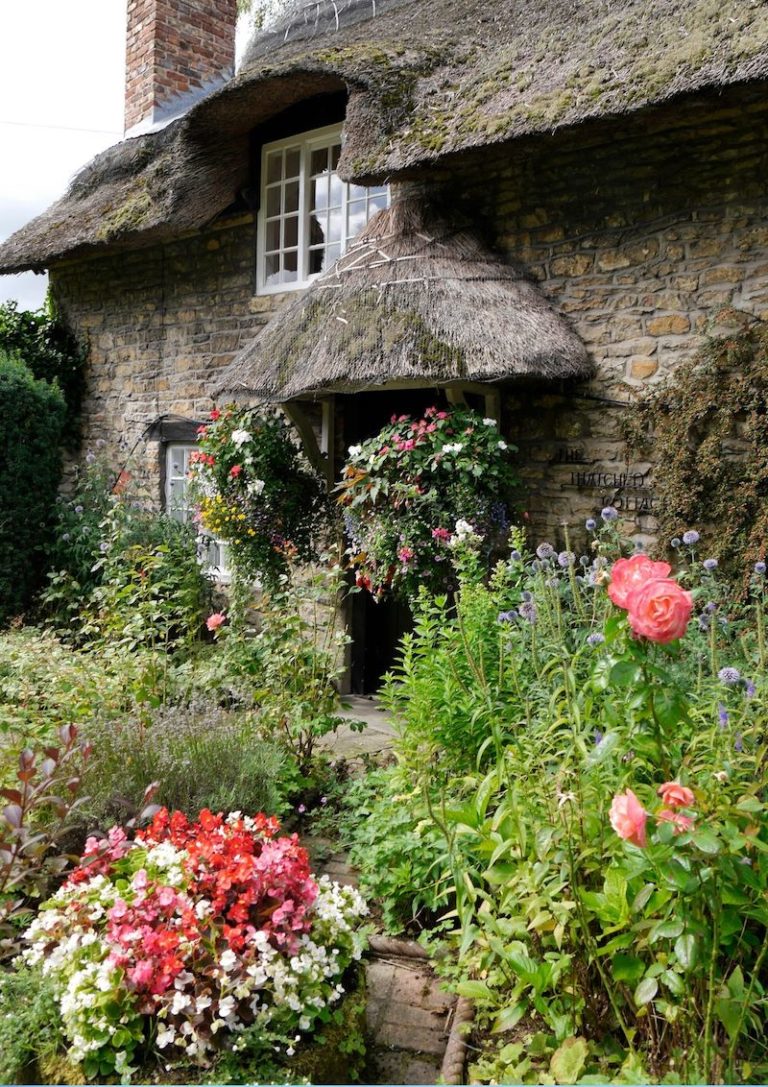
(416, 488)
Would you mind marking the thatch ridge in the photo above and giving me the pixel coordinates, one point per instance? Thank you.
(426, 79)
(415, 300)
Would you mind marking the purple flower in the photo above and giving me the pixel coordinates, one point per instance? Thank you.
(596, 639)
(710, 607)
(609, 513)
(691, 537)
(515, 556)
(738, 743)
(103, 546)
(710, 564)
(508, 616)
(590, 524)
(722, 715)
(760, 567)
(750, 688)
(301, 809)
(528, 611)
(78, 509)
(566, 559)
(90, 457)
(323, 800)
(598, 737)
(729, 676)
(545, 551)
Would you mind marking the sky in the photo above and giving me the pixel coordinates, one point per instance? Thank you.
(62, 74)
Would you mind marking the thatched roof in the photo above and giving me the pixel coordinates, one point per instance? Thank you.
(426, 78)
(413, 301)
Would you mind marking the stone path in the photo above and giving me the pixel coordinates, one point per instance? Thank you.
(377, 736)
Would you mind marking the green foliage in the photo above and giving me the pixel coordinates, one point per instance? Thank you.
(256, 492)
(201, 755)
(417, 487)
(30, 469)
(45, 345)
(30, 1024)
(708, 428)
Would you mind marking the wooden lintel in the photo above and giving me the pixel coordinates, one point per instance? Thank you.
(457, 394)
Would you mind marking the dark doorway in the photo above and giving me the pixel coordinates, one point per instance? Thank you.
(376, 629)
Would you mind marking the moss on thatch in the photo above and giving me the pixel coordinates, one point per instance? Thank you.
(424, 80)
(416, 300)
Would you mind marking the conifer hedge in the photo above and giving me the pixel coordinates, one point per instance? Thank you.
(32, 418)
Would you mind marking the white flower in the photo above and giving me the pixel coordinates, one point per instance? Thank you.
(240, 437)
(489, 422)
(464, 533)
(165, 1037)
(256, 486)
(455, 447)
(502, 445)
(355, 451)
(228, 960)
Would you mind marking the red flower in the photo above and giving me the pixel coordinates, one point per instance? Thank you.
(235, 470)
(215, 414)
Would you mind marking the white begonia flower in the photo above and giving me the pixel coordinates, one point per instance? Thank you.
(240, 437)
(228, 960)
(165, 1037)
(502, 445)
(256, 486)
(355, 450)
(453, 447)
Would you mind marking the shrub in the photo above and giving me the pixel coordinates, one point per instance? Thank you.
(201, 756)
(46, 346)
(234, 933)
(30, 1024)
(409, 493)
(30, 469)
(256, 492)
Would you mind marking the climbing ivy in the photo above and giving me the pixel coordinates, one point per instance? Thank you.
(707, 430)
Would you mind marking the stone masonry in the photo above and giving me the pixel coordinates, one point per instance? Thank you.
(640, 231)
(174, 47)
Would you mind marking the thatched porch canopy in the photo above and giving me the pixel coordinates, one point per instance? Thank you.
(414, 301)
(425, 79)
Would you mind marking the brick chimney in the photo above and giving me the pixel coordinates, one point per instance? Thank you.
(176, 51)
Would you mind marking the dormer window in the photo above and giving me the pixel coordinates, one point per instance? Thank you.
(308, 214)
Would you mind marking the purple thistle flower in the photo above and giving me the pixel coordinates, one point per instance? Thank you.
(710, 607)
(527, 597)
(545, 551)
(722, 715)
(729, 676)
(704, 623)
(609, 513)
(691, 537)
(516, 556)
(738, 743)
(749, 688)
(507, 616)
(528, 611)
(566, 559)
(710, 565)
(760, 568)
(596, 639)
(584, 560)
(590, 524)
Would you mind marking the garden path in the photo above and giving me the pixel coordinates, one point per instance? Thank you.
(377, 736)
(408, 1014)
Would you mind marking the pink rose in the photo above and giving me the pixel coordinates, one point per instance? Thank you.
(629, 574)
(628, 818)
(659, 610)
(681, 822)
(675, 795)
(213, 622)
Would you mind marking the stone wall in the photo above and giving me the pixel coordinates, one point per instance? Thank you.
(639, 230)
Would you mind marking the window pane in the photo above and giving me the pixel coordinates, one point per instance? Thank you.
(318, 227)
(319, 162)
(291, 231)
(333, 252)
(357, 218)
(273, 201)
(335, 221)
(272, 236)
(335, 155)
(272, 270)
(377, 203)
(291, 197)
(316, 261)
(356, 192)
(290, 266)
(274, 166)
(292, 162)
(337, 191)
(319, 194)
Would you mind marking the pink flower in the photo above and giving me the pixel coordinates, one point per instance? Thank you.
(628, 818)
(215, 414)
(235, 470)
(213, 622)
(629, 574)
(140, 880)
(681, 822)
(659, 610)
(441, 534)
(141, 974)
(675, 795)
(405, 554)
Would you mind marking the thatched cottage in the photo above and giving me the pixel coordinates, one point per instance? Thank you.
(555, 201)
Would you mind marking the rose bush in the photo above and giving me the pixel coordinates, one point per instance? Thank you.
(172, 944)
(415, 488)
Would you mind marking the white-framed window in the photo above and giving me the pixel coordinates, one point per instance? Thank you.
(308, 214)
(213, 553)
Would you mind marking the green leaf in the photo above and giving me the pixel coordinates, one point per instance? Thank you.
(705, 840)
(627, 968)
(685, 949)
(646, 991)
(508, 1018)
(475, 990)
(665, 930)
(624, 674)
(568, 1060)
(729, 1014)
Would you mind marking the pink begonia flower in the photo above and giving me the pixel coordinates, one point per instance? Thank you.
(140, 880)
(681, 822)
(628, 818)
(141, 974)
(675, 795)
(213, 622)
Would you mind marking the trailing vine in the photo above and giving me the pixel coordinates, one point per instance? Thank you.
(707, 430)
